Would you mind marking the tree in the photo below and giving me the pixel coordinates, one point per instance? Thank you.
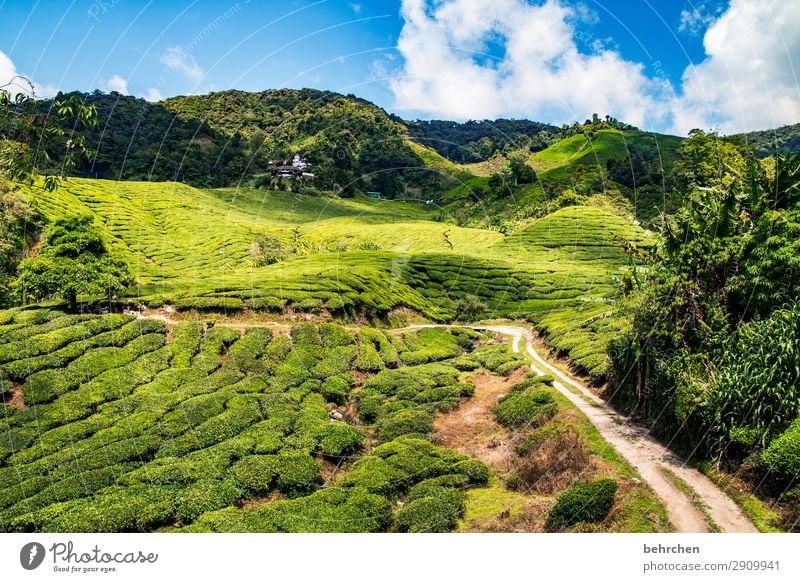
(520, 170)
(19, 225)
(33, 137)
(73, 260)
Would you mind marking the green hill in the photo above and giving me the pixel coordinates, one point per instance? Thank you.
(199, 251)
(782, 140)
(227, 137)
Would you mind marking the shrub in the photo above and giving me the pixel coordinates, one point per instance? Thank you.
(408, 421)
(419, 459)
(433, 486)
(185, 343)
(209, 304)
(329, 510)
(531, 409)
(335, 389)
(507, 368)
(435, 513)
(582, 502)
(334, 335)
(298, 472)
(203, 496)
(255, 473)
(782, 456)
(375, 475)
(368, 359)
(475, 471)
(338, 438)
(245, 353)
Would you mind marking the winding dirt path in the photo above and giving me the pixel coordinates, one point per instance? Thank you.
(640, 449)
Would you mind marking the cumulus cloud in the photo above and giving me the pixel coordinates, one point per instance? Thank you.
(696, 18)
(745, 82)
(153, 95)
(749, 79)
(177, 59)
(542, 75)
(115, 83)
(15, 82)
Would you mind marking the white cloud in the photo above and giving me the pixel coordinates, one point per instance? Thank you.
(355, 7)
(115, 83)
(15, 82)
(153, 95)
(749, 79)
(543, 74)
(696, 18)
(179, 60)
(746, 81)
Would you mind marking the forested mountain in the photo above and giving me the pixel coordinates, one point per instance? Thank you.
(476, 141)
(223, 138)
(137, 140)
(782, 140)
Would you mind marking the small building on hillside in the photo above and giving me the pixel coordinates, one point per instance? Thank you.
(375, 195)
(295, 168)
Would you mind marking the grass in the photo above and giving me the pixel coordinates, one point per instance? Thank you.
(564, 157)
(486, 504)
(762, 517)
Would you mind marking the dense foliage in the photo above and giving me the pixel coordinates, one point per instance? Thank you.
(477, 141)
(712, 357)
(109, 423)
(771, 142)
(73, 260)
(582, 502)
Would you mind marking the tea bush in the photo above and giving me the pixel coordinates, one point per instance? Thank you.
(582, 502)
(526, 408)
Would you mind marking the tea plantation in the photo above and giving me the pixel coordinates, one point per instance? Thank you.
(359, 259)
(112, 423)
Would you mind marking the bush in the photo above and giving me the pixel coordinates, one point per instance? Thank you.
(782, 456)
(255, 473)
(338, 438)
(582, 502)
(209, 304)
(329, 510)
(430, 487)
(475, 471)
(436, 513)
(203, 496)
(334, 335)
(531, 409)
(335, 389)
(408, 421)
(185, 343)
(298, 472)
(376, 476)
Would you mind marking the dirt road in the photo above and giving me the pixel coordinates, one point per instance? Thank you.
(642, 451)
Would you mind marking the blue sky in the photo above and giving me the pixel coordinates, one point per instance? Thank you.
(401, 54)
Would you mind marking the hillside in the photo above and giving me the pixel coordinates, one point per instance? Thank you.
(353, 258)
(225, 138)
(627, 170)
(782, 140)
(476, 141)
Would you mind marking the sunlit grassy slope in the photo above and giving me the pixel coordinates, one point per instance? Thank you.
(563, 157)
(360, 257)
